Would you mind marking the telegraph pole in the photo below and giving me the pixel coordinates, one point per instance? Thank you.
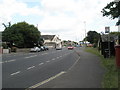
(85, 31)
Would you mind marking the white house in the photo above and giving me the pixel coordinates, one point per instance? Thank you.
(51, 41)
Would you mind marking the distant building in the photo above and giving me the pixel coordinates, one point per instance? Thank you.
(51, 40)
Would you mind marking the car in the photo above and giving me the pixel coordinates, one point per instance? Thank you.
(70, 47)
(58, 48)
(42, 48)
(46, 48)
(35, 49)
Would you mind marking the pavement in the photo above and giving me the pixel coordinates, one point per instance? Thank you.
(87, 72)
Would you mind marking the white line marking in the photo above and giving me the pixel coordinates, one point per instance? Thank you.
(47, 80)
(1, 62)
(60, 56)
(53, 59)
(41, 63)
(47, 61)
(15, 73)
(44, 53)
(74, 64)
(11, 60)
(31, 56)
(57, 57)
(30, 67)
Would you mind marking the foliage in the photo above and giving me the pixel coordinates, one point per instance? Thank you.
(112, 9)
(21, 34)
(93, 37)
(115, 33)
(4, 45)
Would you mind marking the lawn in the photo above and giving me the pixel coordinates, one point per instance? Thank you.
(110, 79)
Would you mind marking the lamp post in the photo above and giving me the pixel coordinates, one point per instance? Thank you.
(85, 31)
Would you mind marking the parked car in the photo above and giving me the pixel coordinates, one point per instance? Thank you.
(58, 47)
(42, 48)
(35, 49)
(70, 47)
(46, 48)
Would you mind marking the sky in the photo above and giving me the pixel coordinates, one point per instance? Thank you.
(68, 19)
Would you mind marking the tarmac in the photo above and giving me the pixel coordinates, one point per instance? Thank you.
(86, 73)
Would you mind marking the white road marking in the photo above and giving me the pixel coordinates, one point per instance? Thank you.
(47, 80)
(12, 60)
(60, 56)
(74, 64)
(9, 61)
(47, 61)
(1, 62)
(30, 67)
(53, 59)
(31, 56)
(15, 73)
(44, 53)
(41, 63)
(57, 57)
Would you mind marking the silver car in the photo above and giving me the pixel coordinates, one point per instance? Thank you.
(35, 49)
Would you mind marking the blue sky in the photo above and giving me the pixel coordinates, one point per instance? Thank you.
(64, 18)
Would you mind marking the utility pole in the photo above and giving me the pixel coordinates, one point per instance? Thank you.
(119, 24)
(85, 31)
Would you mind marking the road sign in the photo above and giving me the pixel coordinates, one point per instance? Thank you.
(107, 29)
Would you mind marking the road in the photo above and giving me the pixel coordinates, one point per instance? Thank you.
(24, 70)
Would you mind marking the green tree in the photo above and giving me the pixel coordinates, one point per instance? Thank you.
(21, 34)
(93, 37)
(112, 9)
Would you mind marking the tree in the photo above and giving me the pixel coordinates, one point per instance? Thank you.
(112, 9)
(93, 37)
(21, 34)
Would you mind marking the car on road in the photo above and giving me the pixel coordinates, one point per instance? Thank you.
(42, 48)
(46, 48)
(70, 47)
(35, 49)
(58, 48)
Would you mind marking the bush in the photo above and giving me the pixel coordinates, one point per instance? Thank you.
(4, 45)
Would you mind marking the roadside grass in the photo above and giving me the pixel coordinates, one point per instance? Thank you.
(110, 79)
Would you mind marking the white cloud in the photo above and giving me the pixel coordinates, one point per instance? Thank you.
(9, 8)
(81, 10)
(63, 17)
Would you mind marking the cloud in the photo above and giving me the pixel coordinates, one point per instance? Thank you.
(9, 8)
(63, 17)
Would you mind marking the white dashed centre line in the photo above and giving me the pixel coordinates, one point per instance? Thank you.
(15, 73)
(41, 63)
(12, 60)
(1, 62)
(57, 57)
(53, 59)
(60, 56)
(31, 56)
(47, 61)
(30, 67)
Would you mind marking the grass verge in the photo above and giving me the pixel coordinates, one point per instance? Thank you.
(110, 79)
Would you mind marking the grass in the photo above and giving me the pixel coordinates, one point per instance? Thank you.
(110, 79)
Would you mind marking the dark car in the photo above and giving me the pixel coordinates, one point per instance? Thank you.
(46, 48)
(42, 48)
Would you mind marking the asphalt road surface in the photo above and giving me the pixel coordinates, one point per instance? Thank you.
(24, 70)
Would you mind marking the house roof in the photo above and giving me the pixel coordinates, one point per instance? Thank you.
(48, 37)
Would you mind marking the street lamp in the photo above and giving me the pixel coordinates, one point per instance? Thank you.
(85, 31)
